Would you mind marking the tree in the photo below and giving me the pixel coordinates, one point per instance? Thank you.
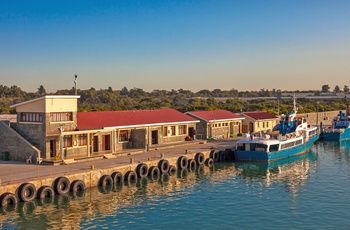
(41, 90)
(124, 91)
(325, 89)
(346, 89)
(336, 89)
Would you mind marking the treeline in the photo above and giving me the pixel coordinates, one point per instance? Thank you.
(182, 100)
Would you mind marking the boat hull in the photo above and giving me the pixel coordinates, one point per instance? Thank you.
(242, 155)
(336, 135)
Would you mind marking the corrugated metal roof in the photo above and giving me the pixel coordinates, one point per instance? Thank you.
(216, 115)
(130, 118)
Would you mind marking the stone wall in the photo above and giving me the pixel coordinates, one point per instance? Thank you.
(324, 117)
(19, 148)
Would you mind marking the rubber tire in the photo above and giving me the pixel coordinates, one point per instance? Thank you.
(130, 177)
(222, 156)
(154, 171)
(192, 165)
(228, 154)
(214, 155)
(8, 198)
(199, 158)
(182, 162)
(209, 162)
(163, 166)
(117, 178)
(172, 170)
(142, 170)
(77, 185)
(58, 185)
(26, 192)
(105, 180)
(45, 191)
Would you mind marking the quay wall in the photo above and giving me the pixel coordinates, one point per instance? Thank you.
(91, 178)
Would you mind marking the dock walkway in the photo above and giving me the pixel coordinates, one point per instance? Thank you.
(12, 172)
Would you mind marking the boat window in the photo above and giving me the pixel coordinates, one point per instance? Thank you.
(241, 147)
(258, 147)
(273, 148)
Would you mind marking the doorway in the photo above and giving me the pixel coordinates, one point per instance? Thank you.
(191, 132)
(154, 137)
(53, 148)
(106, 142)
(95, 144)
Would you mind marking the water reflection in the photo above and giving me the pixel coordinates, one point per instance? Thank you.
(292, 172)
(93, 206)
(83, 208)
(338, 150)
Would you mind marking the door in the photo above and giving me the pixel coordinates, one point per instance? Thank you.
(106, 142)
(52, 148)
(95, 144)
(190, 132)
(154, 137)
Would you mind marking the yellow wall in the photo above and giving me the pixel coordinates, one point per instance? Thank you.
(47, 105)
(35, 107)
(61, 105)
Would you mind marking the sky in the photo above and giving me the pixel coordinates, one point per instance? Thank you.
(163, 44)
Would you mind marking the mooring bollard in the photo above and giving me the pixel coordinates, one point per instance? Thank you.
(131, 160)
(162, 155)
(92, 167)
(149, 159)
(186, 151)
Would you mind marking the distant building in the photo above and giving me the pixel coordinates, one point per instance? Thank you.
(258, 121)
(217, 123)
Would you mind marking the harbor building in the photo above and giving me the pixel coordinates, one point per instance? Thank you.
(217, 123)
(50, 128)
(259, 121)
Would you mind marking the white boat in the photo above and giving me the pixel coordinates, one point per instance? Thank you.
(293, 136)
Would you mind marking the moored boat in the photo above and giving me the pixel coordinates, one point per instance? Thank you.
(340, 129)
(293, 136)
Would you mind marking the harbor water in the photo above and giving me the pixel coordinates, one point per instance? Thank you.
(310, 191)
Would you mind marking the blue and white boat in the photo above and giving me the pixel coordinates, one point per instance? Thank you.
(340, 129)
(293, 136)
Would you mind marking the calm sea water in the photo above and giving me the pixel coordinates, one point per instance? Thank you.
(311, 191)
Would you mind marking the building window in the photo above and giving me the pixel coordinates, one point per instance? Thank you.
(65, 116)
(172, 128)
(165, 131)
(182, 129)
(226, 124)
(82, 139)
(67, 141)
(124, 135)
(263, 124)
(31, 117)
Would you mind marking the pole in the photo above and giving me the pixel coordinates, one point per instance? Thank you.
(317, 114)
(75, 84)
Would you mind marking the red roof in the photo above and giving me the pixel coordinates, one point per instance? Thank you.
(212, 115)
(260, 115)
(128, 118)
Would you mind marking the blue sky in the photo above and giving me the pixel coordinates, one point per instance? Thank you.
(246, 45)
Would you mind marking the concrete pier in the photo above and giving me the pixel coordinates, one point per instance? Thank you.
(14, 174)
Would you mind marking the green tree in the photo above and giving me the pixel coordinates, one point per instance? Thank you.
(336, 89)
(41, 90)
(325, 89)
